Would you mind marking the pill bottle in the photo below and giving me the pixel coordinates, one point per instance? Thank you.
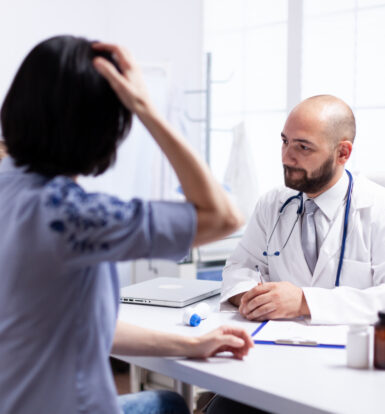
(357, 347)
(379, 341)
(190, 317)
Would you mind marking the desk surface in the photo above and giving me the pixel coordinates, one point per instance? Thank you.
(275, 378)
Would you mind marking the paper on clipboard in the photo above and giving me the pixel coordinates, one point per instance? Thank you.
(298, 333)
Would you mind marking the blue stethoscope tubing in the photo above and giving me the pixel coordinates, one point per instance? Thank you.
(346, 222)
(299, 197)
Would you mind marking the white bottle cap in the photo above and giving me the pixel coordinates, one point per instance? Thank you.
(203, 310)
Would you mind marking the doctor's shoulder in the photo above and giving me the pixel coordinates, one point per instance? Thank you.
(276, 197)
(370, 189)
(368, 197)
(269, 203)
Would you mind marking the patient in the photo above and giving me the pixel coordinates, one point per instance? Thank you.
(67, 110)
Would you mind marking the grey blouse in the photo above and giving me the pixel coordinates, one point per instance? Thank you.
(59, 292)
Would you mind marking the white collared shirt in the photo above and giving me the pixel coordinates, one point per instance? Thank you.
(329, 203)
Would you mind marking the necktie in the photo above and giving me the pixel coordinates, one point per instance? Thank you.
(309, 234)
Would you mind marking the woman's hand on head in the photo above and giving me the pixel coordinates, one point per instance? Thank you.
(223, 339)
(217, 217)
(129, 84)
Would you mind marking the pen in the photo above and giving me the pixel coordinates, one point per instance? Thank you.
(260, 276)
(296, 342)
(289, 342)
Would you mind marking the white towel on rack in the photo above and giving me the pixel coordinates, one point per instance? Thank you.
(240, 175)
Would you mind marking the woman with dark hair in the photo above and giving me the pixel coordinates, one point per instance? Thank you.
(65, 114)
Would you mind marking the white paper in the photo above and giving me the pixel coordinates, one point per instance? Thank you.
(298, 332)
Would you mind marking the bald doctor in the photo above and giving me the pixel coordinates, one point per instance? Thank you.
(287, 265)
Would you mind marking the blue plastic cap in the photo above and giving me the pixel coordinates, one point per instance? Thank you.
(195, 319)
(264, 253)
(276, 254)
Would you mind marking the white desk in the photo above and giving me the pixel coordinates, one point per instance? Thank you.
(279, 379)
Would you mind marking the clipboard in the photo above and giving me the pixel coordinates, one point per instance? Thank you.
(308, 340)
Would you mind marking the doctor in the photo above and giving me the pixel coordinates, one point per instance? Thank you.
(286, 265)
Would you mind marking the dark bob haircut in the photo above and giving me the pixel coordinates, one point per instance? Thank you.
(60, 116)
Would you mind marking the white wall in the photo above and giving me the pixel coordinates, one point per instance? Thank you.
(167, 31)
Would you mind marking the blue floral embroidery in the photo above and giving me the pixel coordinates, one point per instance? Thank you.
(78, 212)
(58, 226)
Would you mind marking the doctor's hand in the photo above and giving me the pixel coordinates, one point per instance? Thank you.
(223, 339)
(274, 300)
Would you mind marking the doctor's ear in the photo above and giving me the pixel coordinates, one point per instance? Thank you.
(344, 149)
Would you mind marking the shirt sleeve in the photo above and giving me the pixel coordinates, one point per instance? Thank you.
(344, 305)
(88, 228)
(246, 265)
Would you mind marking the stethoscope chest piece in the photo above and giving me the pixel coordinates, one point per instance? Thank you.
(281, 211)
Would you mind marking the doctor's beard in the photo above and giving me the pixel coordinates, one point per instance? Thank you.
(313, 184)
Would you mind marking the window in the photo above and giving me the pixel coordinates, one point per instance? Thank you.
(249, 81)
(343, 45)
(337, 48)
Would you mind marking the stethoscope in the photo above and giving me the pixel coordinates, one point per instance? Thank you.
(299, 197)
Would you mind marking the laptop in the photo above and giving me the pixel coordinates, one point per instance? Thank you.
(169, 291)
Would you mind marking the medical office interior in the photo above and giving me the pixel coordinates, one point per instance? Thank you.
(225, 73)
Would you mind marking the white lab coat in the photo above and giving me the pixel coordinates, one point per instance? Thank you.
(361, 293)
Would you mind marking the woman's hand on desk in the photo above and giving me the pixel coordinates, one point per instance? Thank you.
(135, 340)
(223, 339)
